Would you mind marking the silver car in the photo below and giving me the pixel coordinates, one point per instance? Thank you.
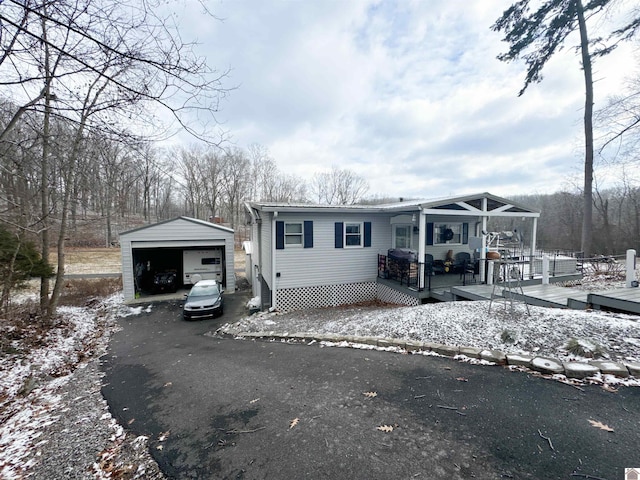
(204, 300)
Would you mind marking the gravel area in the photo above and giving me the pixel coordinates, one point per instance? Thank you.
(541, 331)
(54, 422)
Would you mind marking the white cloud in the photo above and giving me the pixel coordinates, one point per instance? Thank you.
(408, 94)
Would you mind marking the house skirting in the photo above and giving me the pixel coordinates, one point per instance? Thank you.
(389, 295)
(290, 299)
(325, 296)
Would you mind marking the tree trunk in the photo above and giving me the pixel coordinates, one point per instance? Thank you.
(44, 178)
(587, 219)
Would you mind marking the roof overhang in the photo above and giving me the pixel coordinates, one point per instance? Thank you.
(481, 204)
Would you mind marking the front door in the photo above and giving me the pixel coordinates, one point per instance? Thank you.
(402, 236)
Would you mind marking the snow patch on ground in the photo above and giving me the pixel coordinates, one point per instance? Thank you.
(544, 332)
(32, 376)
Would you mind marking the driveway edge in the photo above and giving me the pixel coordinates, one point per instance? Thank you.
(573, 370)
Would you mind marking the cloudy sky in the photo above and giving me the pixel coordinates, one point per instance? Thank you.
(408, 94)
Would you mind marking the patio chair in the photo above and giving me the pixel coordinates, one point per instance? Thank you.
(433, 266)
(464, 265)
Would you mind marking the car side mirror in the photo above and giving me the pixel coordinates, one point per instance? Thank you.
(185, 296)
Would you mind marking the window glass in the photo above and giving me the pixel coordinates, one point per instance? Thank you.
(293, 234)
(403, 236)
(447, 233)
(210, 261)
(353, 234)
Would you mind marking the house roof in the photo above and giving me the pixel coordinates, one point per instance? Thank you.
(188, 219)
(456, 205)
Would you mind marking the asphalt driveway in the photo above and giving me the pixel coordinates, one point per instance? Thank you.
(224, 408)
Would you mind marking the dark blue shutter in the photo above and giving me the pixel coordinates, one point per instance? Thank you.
(465, 233)
(339, 234)
(279, 235)
(429, 233)
(367, 234)
(308, 234)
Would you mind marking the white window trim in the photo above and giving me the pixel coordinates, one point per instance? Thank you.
(361, 234)
(406, 225)
(449, 225)
(301, 235)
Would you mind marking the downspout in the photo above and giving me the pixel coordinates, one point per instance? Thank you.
(483, 249)
(422, 240)
(274, 295)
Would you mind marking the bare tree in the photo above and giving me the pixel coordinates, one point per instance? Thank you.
(235, 183)
(92, 66)
(338, 187)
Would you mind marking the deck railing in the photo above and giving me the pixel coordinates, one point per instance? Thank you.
(408, 273)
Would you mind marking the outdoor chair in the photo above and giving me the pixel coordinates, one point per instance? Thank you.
(464, 265)
(431, 266)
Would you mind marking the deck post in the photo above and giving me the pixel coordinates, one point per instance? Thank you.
(534, 235)
(632, 281)
(545, 269)
(483, 249)
(422, 242)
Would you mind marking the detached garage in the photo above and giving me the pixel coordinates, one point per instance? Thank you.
(183, 249)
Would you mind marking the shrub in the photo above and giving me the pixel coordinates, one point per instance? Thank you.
(80, 292)
(583, 347)
(508, 337)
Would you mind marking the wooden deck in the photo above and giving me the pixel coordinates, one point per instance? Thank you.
(623, 299)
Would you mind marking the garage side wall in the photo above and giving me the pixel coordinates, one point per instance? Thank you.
(128, 286)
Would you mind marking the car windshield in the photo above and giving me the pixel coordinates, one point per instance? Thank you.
(203, 290)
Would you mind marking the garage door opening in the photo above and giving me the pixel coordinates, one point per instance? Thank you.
(170, 270)
(153, 258)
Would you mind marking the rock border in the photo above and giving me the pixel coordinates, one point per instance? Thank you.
(545, 365)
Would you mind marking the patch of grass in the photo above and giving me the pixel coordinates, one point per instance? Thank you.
(582, 347)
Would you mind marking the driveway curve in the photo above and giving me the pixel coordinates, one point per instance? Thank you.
(224, 408)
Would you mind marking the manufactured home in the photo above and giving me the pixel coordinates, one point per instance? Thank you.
(309, 256)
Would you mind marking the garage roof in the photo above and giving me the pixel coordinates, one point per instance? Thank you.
(189, 219)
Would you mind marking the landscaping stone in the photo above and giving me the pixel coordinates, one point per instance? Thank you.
(495, 356)
(391, 342)
(413, 346)
(446, 350)
(634, 368)
(520, 360)
(611, 368)
(580, 370)
(471, 352)
(351, 338)
(547, 365)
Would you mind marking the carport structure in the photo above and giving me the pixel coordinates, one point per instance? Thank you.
(161, 246)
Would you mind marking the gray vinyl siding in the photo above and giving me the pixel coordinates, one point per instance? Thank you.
(128, 286)
(265, 249)
(323, 264)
